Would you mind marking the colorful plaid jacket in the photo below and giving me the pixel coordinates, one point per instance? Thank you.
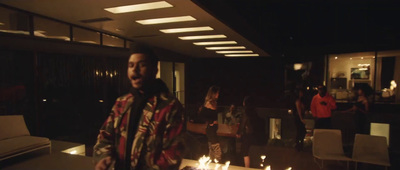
(160, 127)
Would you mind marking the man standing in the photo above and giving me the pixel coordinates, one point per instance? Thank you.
(322, 105)
(143, 130)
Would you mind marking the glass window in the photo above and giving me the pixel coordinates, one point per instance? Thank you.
(349, 71)
(387, 76)
(180, 82)
(275, 128)
(51, 29)
(13, 21)
(166, 74)
(113, 41)
(85, 36)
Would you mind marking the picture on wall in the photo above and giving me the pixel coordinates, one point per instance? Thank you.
(360, 73)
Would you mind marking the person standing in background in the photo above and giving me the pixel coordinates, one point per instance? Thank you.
(322, 105)
(251, 129)
(210, 115)
(361, 109)
(299, 112)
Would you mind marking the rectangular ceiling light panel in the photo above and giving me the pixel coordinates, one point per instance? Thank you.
(215, 43)
(166, 20)
(139, 7)
(234, 52)
(189, 29)
(227, 48)
(200, 37)
(241, 55)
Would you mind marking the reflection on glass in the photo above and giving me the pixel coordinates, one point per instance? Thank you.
(387, 76)
(51, 29)
(350, 71)
(13, 22)
(180, 81)
(85, 36)
(274, 128)
(113, 41)
(166, 74)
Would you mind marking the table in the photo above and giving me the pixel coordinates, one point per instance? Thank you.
(68, 147)
(195, 163)
(59, 161)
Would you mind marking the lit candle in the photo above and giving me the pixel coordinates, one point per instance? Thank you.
(203, 162)
(225, 167)
(268, 167)
(263, 157)
(216, 164)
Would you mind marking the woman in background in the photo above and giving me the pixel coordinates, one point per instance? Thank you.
(361, 109)
(251, 129)
(210, 115)
(299, 121)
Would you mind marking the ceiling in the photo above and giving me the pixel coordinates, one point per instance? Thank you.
(302, 28)
(125, 24)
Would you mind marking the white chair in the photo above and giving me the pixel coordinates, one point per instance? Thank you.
(16, 140)
(371, 149)
(327, 145)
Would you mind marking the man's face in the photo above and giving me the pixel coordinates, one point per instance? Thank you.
(321, 91)
(140, 70)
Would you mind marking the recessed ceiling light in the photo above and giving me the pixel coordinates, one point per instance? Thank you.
(139, 7)
(189, 29)
(241, 55)
(233, 52)
(199, 37)
(215, 43)
(226, 48)
(166, 20)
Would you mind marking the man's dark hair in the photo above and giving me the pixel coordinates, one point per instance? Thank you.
(249, 101)
(322, 87)
(146, 50)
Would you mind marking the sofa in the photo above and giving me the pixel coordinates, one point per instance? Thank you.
(15, 138)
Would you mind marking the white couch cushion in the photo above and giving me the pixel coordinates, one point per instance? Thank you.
(12, 126)
(20, 144)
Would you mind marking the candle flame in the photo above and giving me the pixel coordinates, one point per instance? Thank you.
(208, 162)
(268, 167)
(217, 166)
(263, 157)
(204, 162)
(290, 168)
(225, 167)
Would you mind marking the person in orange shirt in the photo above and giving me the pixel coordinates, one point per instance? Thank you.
(322, 105)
